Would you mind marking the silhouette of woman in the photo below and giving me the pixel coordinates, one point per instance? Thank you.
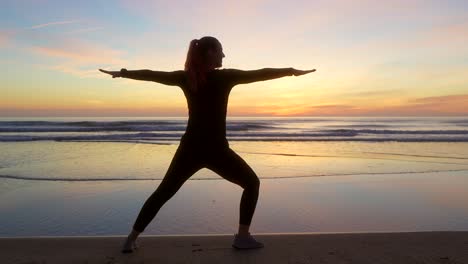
(204, 144)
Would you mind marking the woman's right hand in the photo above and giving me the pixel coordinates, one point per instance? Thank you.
(300, 72)
(115, 74)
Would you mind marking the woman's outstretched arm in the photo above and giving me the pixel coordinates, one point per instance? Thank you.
(242, 77)
(167, 78)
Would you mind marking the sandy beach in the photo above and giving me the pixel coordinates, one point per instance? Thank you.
(409, 247)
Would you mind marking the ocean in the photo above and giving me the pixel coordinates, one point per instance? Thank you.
(158, 130)
(90, 176)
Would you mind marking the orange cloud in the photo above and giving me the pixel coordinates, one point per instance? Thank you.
(80, 58)
(295, 110)
(76, 70)
(450, 105)
(5, 38)
(80, 52)
(333, 110)
(427, 106)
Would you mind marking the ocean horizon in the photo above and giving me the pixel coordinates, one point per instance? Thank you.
(170, 129)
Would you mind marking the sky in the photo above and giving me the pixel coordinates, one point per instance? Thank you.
(373, 58)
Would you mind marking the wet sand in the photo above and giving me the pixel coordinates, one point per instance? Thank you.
(408, 247)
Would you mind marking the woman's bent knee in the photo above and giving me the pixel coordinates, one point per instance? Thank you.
(253, 184)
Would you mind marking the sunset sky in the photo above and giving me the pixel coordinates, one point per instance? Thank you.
(373, 58)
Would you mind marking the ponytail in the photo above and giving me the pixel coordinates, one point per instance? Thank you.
(195, 64)
(192, 65)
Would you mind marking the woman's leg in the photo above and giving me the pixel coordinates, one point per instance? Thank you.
(233, 168)
(182, 167)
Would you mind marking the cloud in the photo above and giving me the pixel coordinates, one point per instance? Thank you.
(450, 105)
(93, 102)
(54, 23)
(333, 110)
(76, 70)
(81, 52)
(368, 94)
(63, 51)
(451, 102)
(287, 32)
(5, 38)
(81, 58)
(295, 110)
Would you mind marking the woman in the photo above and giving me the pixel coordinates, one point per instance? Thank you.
(204, 144)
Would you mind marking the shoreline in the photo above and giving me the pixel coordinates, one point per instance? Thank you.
(378, 247)
(387, 203)
(256, 234)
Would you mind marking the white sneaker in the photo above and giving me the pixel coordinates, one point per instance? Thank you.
(246, 242)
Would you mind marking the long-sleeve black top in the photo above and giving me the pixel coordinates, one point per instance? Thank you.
(207, 106)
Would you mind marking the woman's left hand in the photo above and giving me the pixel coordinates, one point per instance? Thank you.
(299, 72)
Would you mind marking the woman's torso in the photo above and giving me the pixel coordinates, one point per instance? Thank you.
(207, 108)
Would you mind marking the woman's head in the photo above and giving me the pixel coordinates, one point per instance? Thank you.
(204, 55)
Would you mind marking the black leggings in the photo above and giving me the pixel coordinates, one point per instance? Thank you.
(190, 158)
